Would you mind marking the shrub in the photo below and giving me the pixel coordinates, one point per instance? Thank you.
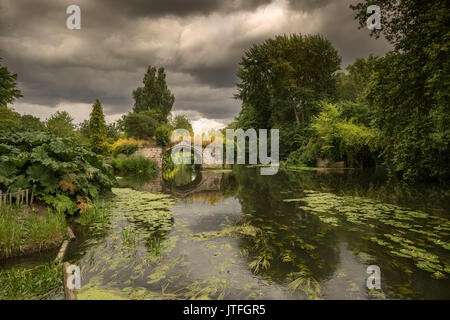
(127, 149)
(61, 170)
(303, 157)
(162, 135)
(140, 125)
(139, 165)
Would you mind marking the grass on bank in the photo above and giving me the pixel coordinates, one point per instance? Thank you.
(35, 283)
(22, 231)
(95, 217)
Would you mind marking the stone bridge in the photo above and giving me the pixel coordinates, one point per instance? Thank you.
(156, 153)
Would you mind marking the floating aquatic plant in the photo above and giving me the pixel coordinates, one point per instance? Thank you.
(412, 233)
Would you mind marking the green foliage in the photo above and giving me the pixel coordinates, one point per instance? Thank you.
(127, 149)
(36, 283)
(96, 217)
(84, 129)
(281, 78)
(25, 232)
(409, 89)
(138, 165)
(352, 86)
(61, 125)
(97, 129)
(60, 202)
(342, 139)
(162, 135)
(305, 156)
(154, 95)
(168, 166)
(112, 132)
(8, 118)
(336, 135)
(140, 125)
(356, 111)
(181, 122)
(58, 167)
(30, 122)
(292, 137)
(8, 87)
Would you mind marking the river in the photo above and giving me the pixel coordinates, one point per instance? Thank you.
(307, 234)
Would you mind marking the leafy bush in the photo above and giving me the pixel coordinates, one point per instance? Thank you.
(303, 157)
(134, 165)
(140, 125)
(162, 135)
(97, 129)
(127, 149)
(342, 139)
(61, 170)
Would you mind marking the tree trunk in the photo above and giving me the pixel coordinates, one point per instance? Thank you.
(303, 115)
(296, 116)
(295, 112)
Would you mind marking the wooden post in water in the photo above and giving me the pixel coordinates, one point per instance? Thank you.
(32, 195)
(69, 293)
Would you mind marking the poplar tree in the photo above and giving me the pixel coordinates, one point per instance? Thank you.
(97, 128)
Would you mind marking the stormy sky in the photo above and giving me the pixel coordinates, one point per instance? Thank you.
(198, 42)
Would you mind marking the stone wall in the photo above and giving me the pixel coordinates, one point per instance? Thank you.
(325, 163)
(154, 153)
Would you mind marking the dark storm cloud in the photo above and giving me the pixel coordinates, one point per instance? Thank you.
(199, 42)
(307, 5)
(181, 8)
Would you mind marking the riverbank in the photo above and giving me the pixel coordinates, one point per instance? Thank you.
(23, 232)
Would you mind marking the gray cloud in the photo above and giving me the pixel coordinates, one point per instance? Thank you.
(199, 42)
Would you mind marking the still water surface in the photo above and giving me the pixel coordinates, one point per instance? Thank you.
(295, 235)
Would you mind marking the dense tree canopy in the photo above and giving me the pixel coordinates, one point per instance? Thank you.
(281, 81)
(282, 78)
(153, 103)
(353, 84)
(154, 95)
(409, 88)
(8, 87)
(140, 125)
(181, 122)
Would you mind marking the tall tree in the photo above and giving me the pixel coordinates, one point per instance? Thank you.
(97, 128)
(154, 95)
(409, 89)
(31, 122)
(352, 85)
(283, 77)
(8, 87)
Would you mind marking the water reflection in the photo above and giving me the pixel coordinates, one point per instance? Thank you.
(240, 235)
(300, 251)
